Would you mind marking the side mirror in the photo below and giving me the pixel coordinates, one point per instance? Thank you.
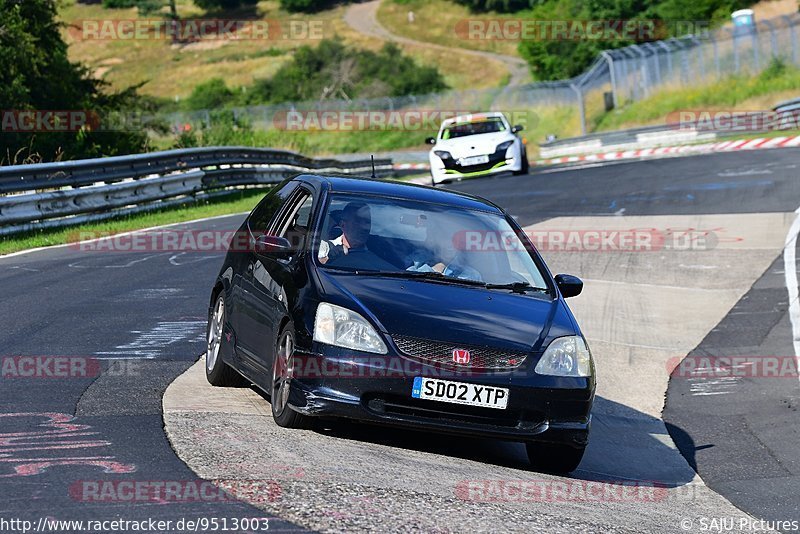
(570, 286)
(517, 128)
(431, 140)
(274, 247)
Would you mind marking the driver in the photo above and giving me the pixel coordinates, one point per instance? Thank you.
(356, 221)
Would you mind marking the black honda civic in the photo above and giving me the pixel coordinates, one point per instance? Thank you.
(405, 305)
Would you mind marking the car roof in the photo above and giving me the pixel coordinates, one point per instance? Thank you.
(472, 117)
(372, 186)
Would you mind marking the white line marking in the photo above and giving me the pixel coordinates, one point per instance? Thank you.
(700, 267)
(636, 345)
(790, 273)
(77, 264)
(52, 247)
(660, 286)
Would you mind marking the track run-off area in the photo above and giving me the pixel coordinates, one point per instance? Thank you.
(723, 283)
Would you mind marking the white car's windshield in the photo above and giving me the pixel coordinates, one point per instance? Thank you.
(490, 125)
(364, 233)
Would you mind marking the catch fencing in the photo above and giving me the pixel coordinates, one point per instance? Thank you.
(627, 74)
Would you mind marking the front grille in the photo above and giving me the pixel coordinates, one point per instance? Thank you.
(442, 412)
(441, 353)
(494, 159)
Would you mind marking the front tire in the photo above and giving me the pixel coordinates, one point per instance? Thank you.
(218, 373)
(282, 372)
(525, 165)
(554, 458)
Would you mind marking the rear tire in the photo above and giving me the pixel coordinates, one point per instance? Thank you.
(282, 370)
(554, 458)
(219, 373)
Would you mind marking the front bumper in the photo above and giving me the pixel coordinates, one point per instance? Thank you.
(363, 387)
(450, 169)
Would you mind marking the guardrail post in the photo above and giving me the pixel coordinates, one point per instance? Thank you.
(656, 66)
(581, 110)
(613, 75)
(669, 56)
(643, 67)
(773, 39)
(699, 55)
(756, 51)
(624, 63)
(716, 56)
(792, 36)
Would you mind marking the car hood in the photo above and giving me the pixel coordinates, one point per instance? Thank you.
(451, 313)
(473, 145)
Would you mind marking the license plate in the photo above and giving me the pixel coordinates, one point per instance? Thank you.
(460, 393)
(474, 160)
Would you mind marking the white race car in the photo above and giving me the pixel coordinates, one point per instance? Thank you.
(476, 145)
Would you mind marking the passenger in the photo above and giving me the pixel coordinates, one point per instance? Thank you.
(442, 256)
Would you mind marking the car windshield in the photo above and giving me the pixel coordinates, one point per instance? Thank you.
(463, 129)
(400, 237)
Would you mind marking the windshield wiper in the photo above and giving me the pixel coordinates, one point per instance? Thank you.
(518, 287)
(428, 275)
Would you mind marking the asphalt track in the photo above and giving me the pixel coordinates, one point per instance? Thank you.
(144, 314)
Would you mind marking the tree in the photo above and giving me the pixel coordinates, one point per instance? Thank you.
(35, 74)
(555, 59)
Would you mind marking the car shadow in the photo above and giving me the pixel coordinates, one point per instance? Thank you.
(625, 445)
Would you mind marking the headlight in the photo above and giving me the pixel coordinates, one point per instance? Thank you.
(341, 327)
(442, 154)
(566, 356)
(504, 146)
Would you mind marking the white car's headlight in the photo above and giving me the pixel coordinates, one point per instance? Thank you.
(339, 326)
(566, 356)
(504, 146)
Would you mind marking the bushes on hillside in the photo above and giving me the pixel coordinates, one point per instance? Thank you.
(330, 70)
(213, 94)
(333, 71)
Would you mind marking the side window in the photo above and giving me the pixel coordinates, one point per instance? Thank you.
(266, 210)
(294, 220)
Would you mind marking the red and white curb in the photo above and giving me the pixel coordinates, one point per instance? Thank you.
(411, 166)
(705, 148)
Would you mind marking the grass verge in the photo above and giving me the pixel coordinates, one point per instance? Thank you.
(442, 22)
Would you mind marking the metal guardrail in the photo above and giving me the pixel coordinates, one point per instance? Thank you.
(61, 194)
(784, 116)
(620, 140)
(788, 106)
